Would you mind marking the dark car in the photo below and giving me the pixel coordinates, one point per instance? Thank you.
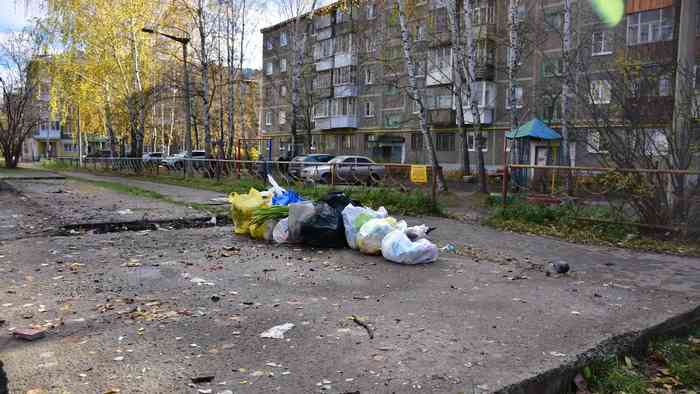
(300, 162)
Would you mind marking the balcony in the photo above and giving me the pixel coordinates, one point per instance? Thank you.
(485, 72)
(486, 115)
(337, 122)
(47, 134)
(437, 76)
(324, 64)
(345, 59)
(441, 117)
(345, 91)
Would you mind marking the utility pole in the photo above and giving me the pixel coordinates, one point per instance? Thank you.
(184, 41)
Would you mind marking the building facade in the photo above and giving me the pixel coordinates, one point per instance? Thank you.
(353, 90)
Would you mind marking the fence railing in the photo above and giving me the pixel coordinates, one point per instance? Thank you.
(286, 173)
(660, 199)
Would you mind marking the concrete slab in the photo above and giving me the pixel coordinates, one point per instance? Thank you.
(136, 316)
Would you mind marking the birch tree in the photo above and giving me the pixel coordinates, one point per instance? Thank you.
(565, 90)
(418, 95)
(513, 66)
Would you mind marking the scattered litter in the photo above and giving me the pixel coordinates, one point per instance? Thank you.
(212, 221)
(557, 267)
(449, 248)
(575, 312)
(200, 281)
(28, 334)
(120, 358)
(202, 379)
(277, 332)
(125, 212)
(215, 298)
(557, 354)
(363, 324)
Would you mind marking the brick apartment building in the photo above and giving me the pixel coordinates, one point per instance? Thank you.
(352, 95)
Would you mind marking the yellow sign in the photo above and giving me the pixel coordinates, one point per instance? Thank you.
(419, 174)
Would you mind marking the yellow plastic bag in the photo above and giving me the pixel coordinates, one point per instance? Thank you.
(257, 231)
(242, 207)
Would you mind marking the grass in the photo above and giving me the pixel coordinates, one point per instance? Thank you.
(397, 202)
(561, 222)
(670, 365)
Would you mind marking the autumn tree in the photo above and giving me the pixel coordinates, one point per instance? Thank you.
(21, 71)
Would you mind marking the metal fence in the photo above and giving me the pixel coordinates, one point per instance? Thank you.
(651, 199)
(331, 175)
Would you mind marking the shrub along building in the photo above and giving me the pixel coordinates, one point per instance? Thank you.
(353, 89)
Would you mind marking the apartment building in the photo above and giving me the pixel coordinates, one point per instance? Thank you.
(353, 87)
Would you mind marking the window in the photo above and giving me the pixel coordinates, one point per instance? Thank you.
(518, 57)
(445, 142)
(650, 26)
(344, 106)
(268, 93)
(518, 97)
(322, 109)
(323, 49)
(282, 117)
(439, 102)
(600, 92)
(269, 68)
(369, 76)
(283, 65)
(602, 43)
(551, 109)
(552, 67)
(553, 21)
(369, 109)
(440, 58)
(485, 52)
(416, 142)
(268, 118)
(665, 86)
(484, 12)
(343, 44)
(268, 44)
(392, 91)
(415, 108)
(371, 11)
(322, 80)
(596, 143)
(370, 44)
(344, 75)
(393, 121)
(283, 39)
(283, 90)
(341, 16)
(472, 141)
(421, 67)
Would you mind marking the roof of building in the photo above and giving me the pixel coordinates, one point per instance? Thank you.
(319, 10)
(535, 128)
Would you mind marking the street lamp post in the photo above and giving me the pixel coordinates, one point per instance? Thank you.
(184, 41)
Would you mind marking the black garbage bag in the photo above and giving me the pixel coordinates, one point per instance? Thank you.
(338, 200)
(325, 228)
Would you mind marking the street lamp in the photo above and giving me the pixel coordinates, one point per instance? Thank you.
(184, 41)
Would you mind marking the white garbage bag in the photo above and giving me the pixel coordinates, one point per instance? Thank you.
(397, 248)
(298, 214)
(276, 189)
(281, 232)
(353, 219)
(417, 232)
(371, 234)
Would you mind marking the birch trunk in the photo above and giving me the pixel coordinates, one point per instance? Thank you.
(299, 51)
(514, 20)
(204, 54)
(241, 108)
(230, 79)
(461, 82)
(414, 93)
(474, 104)
(565, 154)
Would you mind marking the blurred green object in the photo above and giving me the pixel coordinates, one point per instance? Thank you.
(610, 11)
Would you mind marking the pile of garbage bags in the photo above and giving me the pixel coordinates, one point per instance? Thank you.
(334, 221)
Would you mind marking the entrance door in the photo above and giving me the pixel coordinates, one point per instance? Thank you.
(541, 155)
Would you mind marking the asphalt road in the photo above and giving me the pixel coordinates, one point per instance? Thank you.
(146, 312)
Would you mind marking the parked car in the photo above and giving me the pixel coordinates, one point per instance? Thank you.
(348, 170)
(177, 161)
(153, 157)
(300, 162)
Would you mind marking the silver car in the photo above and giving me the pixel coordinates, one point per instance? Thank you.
(345, 170)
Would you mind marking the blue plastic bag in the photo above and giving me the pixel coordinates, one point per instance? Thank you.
(286, 198)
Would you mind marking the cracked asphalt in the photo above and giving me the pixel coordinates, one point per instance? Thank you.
(146, 312)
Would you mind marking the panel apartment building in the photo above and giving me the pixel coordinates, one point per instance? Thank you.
(353, 92)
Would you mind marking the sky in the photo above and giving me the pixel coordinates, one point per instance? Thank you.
(14, 16)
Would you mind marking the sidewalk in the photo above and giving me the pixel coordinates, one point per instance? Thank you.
(180, 194)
